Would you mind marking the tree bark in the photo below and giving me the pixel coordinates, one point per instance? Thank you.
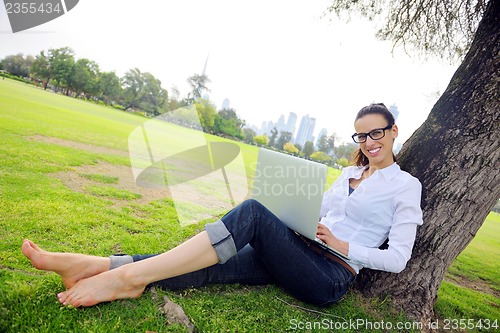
(455, 154)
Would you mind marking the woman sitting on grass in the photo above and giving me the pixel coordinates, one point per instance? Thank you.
(369, 202)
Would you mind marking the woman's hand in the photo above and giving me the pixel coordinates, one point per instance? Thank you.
(326, 236)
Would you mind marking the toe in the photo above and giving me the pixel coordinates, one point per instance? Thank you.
(61, 298)
(34, 246)
(26, 248)
(64, 297)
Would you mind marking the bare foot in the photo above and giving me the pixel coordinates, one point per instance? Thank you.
(70, 266)
(108, 286)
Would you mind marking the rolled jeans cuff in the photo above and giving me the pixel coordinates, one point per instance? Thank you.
(221, 240)
(118, 260)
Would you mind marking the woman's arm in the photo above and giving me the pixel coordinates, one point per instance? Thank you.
(407, 217)
(395, 258)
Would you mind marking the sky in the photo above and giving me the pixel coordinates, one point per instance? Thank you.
(267, 57)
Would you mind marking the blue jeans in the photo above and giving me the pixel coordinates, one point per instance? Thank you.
(265, 252)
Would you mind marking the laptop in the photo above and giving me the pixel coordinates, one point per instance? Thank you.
(292, 188)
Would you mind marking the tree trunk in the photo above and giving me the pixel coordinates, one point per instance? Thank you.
(455, 154)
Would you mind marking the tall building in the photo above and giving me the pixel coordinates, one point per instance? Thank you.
(394, 110)
(262, 129)
(323, 132)
(280, 126)
(306, 130)
(290, 124)
(269, 127)
(225, 104)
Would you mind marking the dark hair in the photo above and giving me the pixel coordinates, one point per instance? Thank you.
(358, 158)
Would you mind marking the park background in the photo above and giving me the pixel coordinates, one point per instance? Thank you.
(39, 126)
(66, 183)
(267, 58)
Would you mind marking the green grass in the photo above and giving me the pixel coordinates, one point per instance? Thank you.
(35, 204)
(100, 178)
(477, 267)
(460, 302)
(108, 191)
(482, 250)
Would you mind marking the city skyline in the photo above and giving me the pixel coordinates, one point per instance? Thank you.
(268, 125)
(300, 136)
(327, 68)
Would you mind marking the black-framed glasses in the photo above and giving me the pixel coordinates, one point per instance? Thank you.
(375, 134)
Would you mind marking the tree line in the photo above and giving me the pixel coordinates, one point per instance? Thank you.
(59, 70)
(141, 92)
(325, 150)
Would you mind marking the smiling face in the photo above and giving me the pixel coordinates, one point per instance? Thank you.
(378, 152)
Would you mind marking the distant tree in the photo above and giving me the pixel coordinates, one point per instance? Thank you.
(298, 146)
(227, 122)
(321, 157)
(308, 149)
(84, 78)
(28, 61)
(230, 114)
(185, 116)
(283, 138)
(343, 162)
(109, 88)
(133, 89)
(174, 102)
(40, 69)
(144, 92)
(261, 140)
(199, 84)
(249, 135)
(207, 114)
(326, 144)
(13, 63)
(346, 150)
(290, 148)
(323, 144)
(155, 98)
(18, 64)
(274, 135)
(61, 66)
(331, 143)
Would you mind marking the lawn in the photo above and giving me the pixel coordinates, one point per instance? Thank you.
(472, 285)
(66, 183)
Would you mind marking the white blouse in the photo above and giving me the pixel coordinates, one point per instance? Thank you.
(385, 205)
